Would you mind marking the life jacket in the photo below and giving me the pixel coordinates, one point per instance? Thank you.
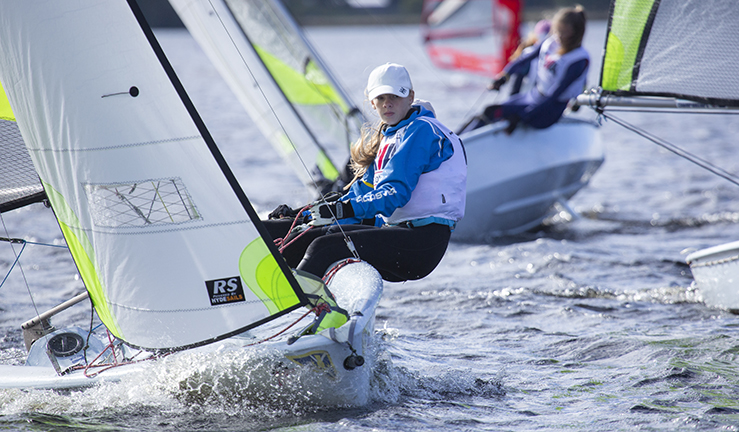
(439, 193)
(553, 66)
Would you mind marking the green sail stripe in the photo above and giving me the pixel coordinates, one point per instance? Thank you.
(309, 89)
(326, 166)
(624, 38)
(284, 141)
(260, 272)
(84, 256)
(6, 113)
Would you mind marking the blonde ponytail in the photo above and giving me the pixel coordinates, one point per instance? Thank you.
(364, 152)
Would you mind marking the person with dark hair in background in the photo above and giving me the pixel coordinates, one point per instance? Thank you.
(561, 75)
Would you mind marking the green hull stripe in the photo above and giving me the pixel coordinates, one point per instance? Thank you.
(260, 272)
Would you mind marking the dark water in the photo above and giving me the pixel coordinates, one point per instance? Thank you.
(589, 325)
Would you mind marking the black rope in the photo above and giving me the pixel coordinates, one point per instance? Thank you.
(676, 150)
(89, 333)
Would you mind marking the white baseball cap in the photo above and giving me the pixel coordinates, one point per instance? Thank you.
(389, 78)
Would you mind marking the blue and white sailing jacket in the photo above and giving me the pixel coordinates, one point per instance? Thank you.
(562, 75)
(419, 175)
(559, 78)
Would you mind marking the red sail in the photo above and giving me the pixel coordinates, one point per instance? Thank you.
(472, 35)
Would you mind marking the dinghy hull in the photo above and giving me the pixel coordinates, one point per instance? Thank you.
(716, 273)
(314, 365)
(513, 181)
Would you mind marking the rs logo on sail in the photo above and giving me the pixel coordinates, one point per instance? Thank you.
(222, 291)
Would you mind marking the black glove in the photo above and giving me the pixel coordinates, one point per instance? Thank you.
(283, 211)
(498, 83)
(512, 123)
(325, 214)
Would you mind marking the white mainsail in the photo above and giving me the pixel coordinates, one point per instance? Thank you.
(281, 82)
(167, 243)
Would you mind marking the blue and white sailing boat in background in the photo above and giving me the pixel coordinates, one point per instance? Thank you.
(172, 254)
(678, 56)
(514, 181)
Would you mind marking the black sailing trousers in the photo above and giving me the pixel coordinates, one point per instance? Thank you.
(399, 253)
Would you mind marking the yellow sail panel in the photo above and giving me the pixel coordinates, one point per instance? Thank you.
(6, 113)
(263, 277)
(625, 35)
(326, 166)
(297, 87)
(84, 256)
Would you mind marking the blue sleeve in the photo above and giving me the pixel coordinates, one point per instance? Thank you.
(573, 72)
(361, 186)
(521, 64)
(422, 149)
(358, 188)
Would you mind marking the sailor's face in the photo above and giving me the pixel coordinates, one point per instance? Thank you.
(392, 109)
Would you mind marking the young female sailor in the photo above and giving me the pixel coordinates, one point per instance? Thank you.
(561, 73)
(407, 195)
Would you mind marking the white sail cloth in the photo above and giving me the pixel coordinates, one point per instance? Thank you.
(166, 247)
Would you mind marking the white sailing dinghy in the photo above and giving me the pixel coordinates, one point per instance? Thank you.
(676, 55)
(513, 182)
(172, 254)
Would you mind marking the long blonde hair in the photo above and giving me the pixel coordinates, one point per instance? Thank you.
(363, 153)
